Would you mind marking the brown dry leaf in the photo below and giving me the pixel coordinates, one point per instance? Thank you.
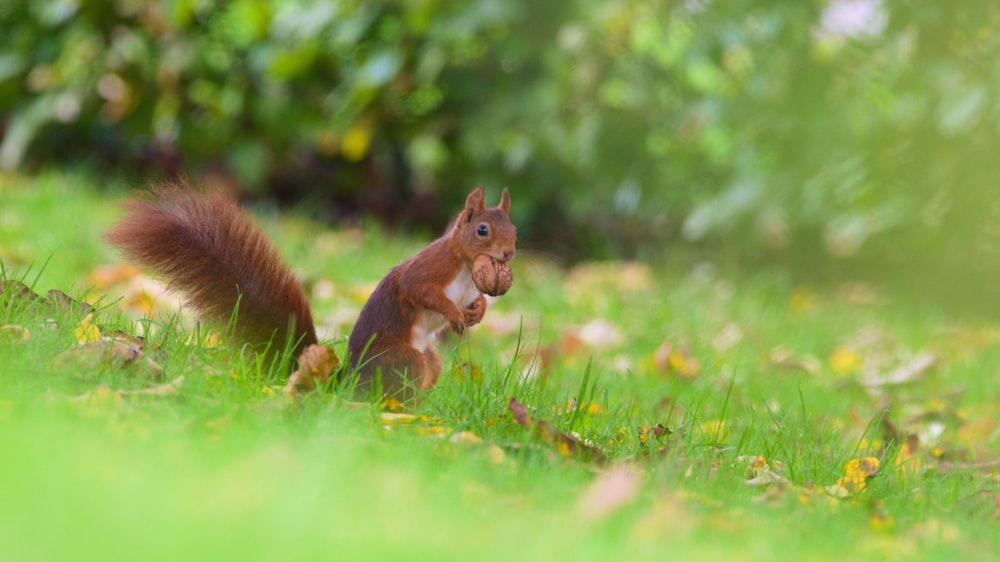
(53, 301)
(611, 491)
(564, 442)
(657, 431)
(109, 353)
(20, 290)
(59, 300)
(316, 363)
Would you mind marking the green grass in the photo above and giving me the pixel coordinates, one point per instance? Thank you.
(230, 469)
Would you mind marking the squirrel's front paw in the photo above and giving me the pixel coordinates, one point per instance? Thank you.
(474, 314)
(458, 325)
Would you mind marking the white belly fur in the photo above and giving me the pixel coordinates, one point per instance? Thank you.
(461, 291)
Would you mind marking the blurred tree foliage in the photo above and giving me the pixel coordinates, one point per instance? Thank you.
(843, 127)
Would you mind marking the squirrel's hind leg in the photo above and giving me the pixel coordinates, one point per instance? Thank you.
(403, 371)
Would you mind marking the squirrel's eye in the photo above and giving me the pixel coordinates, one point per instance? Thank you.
(482, 230)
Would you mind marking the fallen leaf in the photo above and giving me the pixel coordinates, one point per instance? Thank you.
(714, 430)
(844, 361)
(909, 372)
(12, 333)
(54, 301)
(564, 442)
(105, 276)
(856, 474)
(673, 360)
(392, 405)
(907, 460)
(801, 300)
(171, 388)
(86, 331)
(657, 431)
(782, 357)
(494, 453)
(758, 465)
(109, 353)
(730, 335)
(591, 408)
(420, 424)
(611, 491)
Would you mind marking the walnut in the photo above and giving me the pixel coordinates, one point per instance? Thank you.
(491, 276)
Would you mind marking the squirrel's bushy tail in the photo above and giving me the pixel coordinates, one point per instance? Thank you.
(214, 253)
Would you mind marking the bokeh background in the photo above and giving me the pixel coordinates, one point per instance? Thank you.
(836, 138)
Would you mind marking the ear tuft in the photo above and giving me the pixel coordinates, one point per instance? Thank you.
(474, 204)
(504, 201)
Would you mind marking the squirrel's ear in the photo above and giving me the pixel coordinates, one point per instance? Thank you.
(504, 201)
(474, 204)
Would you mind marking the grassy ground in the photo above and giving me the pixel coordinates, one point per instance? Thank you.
(770, 391)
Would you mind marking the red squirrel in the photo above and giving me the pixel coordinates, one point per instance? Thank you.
(206, 247)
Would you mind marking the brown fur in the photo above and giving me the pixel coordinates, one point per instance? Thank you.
(209, 249)
(381, 342)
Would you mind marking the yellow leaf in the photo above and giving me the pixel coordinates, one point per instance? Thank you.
(435, 430)
(907, 460)
(678, 360)
(856, 474)
(356, 141)
(465, 438)
(392, 405)
(881, 522)
(592, 409)
(844, 361)
(801, 300)
(686, 367)
(714, 429)
(87, 331)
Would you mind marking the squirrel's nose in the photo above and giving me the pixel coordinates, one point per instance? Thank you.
(508, 255)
